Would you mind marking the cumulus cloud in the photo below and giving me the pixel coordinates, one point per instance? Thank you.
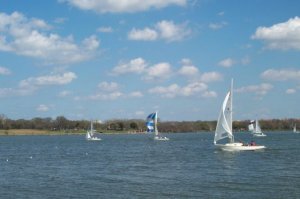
(175, 90)
(64, 93)
(260, 90)
(32, 84)
(106, 96)
(136, 94)
(108, 86)
(58, 79)
(140, 66)
(281, 75)
(105, 29)
(4, 71)
(281, 36)
(165, 30)
(146, 34)
(137, 65)
(122, 6)
(211, 77)
(290, 91)
(217, 26)
(227, 63)
(158, 71)
(31, 37)
(42, 108)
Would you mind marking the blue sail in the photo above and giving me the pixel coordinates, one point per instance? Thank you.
(150, 122)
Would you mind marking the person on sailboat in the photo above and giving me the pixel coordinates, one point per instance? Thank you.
(252, 143)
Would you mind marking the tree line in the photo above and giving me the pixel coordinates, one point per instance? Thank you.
(61, 123)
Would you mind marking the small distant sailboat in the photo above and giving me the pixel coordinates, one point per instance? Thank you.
(295, 129)
(151, 123)
(90, 134)
(224, 129)
(255, 129)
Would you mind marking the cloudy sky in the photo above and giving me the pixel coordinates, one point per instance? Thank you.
(106, 59)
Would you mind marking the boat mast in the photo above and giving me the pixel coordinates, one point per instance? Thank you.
(231, 112)
(155, 124)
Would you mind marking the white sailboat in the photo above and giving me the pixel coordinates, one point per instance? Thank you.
(295, 129)
(255, 129)
(151, 123)
(90, 134)
(224, 129)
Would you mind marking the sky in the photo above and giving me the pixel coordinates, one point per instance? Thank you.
(103, 59)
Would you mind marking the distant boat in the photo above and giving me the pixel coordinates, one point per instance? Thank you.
(151, 123)
(255, 129)
(90, 134)
(295, 129)
(224, 129)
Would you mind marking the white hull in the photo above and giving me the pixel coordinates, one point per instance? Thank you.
(93, 139)
(238, 147)
(161, 138)
(259, 135)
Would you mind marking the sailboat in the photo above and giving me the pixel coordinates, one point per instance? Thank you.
(254, 127)
(151, 123)
(224, 129)
(295, 129)
(90, 134)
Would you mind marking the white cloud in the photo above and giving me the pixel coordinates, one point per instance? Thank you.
(188, 70)
(4, 71)
(165, 30)
(217, 26)
(105, 29)
(158, 71)
(108, 86)
(281, 75)
(136, 94)
(59, 79)
(191, 89)
(121, 6)
(106, 96)
(226, 63)
(137, 65)
(146, 34)
(172, 32)
(261, 89)
(64, 93)
(211, 77)
(30, 37)
(281, 36)
(42, 108)
(290, 91)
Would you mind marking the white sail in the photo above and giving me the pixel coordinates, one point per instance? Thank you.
(224, 124)
(257, 128)
(90, 134)
(224, 128)
(155, 124)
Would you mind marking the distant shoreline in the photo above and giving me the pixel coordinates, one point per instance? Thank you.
(17, 132)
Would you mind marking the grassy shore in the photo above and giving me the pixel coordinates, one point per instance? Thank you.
(35, 132)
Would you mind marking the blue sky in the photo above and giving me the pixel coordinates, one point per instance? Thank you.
(101, 59)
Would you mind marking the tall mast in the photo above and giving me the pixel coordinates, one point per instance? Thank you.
(231, 112)
(155, 123)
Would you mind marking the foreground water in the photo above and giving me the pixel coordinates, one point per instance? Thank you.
(135, 166)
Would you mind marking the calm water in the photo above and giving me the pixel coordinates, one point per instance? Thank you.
(134, 166)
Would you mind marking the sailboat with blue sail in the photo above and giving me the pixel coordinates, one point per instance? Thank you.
(151, 123)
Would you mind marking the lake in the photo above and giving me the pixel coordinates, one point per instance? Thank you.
(136, 166)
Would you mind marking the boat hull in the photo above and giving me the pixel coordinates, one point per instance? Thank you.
(259, 135)
(161, 138)
(238, 147)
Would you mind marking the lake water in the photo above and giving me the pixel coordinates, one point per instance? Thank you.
(135, 166)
